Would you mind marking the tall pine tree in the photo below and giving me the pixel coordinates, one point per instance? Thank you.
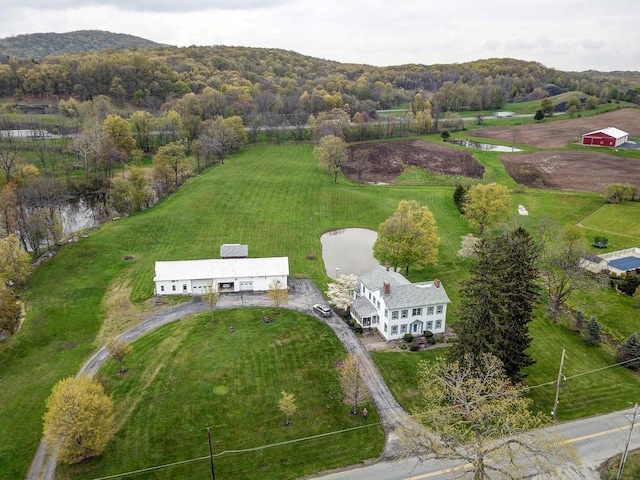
(497, 302)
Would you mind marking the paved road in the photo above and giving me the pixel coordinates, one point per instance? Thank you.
(596, 439)
(302, 297)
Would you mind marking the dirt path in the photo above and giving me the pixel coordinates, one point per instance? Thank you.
(304, 294)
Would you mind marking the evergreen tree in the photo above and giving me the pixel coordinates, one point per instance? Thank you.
(592, 332)
(629, 352)
(458, 197)
(497, 302)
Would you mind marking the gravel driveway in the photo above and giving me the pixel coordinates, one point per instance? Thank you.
(303, 295)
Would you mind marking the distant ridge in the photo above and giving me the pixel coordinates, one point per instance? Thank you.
(40, 45)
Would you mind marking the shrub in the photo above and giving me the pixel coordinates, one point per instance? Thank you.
(358, 328)
(311, 256)
(403, 346)
(440, 339)
(414, 347)
(431, 340)
(428, 334)
(408, 338)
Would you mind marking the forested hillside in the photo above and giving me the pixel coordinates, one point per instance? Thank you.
(237, 80)
(40, 45)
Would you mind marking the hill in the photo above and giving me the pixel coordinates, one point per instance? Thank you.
(40, 45)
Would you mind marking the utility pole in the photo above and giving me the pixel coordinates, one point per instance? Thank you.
(626, 448)
(560, 377)
(213, 473)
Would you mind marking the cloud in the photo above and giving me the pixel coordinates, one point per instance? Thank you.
(592, 43)
(156, 5)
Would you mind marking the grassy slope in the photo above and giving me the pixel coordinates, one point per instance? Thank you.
(197, 374)
(273, 198)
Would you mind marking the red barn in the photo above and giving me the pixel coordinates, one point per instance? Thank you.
(607, 137)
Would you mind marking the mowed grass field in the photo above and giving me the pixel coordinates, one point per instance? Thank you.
(273, 198)
(193, 374)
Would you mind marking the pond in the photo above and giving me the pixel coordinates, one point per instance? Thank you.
(348, 250)
(464, 142)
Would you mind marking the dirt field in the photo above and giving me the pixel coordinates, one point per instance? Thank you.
(382, 162)
(561, 133)
(572, 170)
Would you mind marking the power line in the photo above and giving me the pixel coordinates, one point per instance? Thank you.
(237, 451)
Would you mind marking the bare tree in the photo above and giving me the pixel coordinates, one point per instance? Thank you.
(478, 417)
(354, 388)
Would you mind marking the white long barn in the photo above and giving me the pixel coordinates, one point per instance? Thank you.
(186, 277)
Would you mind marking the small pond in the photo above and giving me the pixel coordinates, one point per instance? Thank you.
(464, 142)
(349, 250)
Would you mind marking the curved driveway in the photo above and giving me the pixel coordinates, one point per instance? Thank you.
(302, 296)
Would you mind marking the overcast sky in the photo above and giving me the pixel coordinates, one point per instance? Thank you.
(569, 35)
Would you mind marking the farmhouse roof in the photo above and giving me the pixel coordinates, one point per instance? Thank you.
(374, 279)
(234, 250)
(610, 131)
(403, 293)
(220, 268)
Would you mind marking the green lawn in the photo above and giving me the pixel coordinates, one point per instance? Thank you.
(273, 198)
(194, 374)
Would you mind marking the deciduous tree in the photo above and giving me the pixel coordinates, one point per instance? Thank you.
(408, 238)
(340, 292)
(118, 349)
(479, 418)
(10, 313)
(278, 294)
(172, 157)
(79, 419)
(354, 388)
(331, 153)
(211, 296)
(287, 405)
(484, 204)
(14, 261)
(561, 270)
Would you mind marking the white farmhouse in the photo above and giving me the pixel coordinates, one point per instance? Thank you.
(387, 301)
(186, 277)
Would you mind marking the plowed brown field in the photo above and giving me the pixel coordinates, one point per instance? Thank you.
(383, 162)
(562, 132)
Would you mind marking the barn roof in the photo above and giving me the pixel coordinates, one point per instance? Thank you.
(234, 250)
(610, 131)
(220, 268)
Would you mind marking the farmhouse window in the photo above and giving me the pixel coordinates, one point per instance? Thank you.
(405, 313)
(429, 325)
(173, 287)
(162, 288)
(403, 328)
(430, 311)
(394, 315)
(385, 328)
(386, 313)
(438, 324)
(439, 309)
(394, 330)
(416, 311)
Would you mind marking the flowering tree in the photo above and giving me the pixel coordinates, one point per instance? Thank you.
(340, 292)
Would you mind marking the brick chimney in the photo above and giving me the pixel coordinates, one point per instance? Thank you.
(386, 288)
(436, 282)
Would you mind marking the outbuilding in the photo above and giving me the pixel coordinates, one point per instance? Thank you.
(607, 137)
(194, 277)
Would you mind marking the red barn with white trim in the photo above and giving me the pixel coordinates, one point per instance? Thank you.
(607, 137)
